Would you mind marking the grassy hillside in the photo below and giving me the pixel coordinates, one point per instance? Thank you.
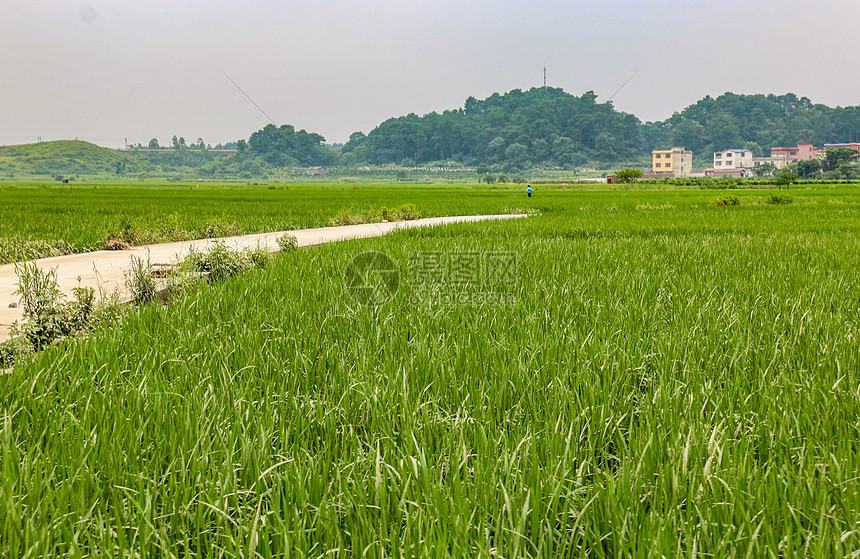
(63, 157)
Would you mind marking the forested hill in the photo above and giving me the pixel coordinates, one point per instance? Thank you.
(523, 128)
(517, 129)
(513, 131)
(758, 122)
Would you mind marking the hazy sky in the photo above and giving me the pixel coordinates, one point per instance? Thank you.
(104, 71)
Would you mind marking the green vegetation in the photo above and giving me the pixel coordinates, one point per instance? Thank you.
(727, 201)
(36, 222)
(353, 216)
(756, 122)
(629, 175)
(41, 222)
(777, 198)
(64, 159)
(515, 130)
(542, 130)
(663, 383)
(49, 319)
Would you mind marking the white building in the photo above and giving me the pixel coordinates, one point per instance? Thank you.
(733, 159)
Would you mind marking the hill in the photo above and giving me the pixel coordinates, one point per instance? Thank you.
(758, 122)
(541, 126)
(63, 158)
(517, 129)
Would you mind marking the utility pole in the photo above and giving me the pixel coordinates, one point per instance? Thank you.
(544, 75)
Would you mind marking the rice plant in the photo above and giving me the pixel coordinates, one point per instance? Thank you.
(681, 382)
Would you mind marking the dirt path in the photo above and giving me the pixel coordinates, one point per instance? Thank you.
(105, 270)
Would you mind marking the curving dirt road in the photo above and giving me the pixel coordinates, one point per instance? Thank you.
(105, 270)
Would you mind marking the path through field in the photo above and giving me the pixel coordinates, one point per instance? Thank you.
(105, 270)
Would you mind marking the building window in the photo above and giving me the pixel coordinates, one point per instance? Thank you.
(793, 153)
(718, 155)
(657, 156)
(657, 165)
(719, 162)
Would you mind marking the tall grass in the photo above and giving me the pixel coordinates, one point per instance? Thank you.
(681, 382)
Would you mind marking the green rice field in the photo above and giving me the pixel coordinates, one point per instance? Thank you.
(656, 376)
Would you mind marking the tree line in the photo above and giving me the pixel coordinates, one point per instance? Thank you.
(547, 127)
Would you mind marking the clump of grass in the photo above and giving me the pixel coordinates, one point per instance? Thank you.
(140, 281)
(16, 249)
(654, 207)
(776, 198)
(15, 350)
(406, 212)
(523, 211)
(726, 201)
(221, 262)
(49, 317)
(168, 230)
(287, 243)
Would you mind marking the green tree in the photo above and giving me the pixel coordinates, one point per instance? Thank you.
(516, 156)
(835, 157)
(764, 169)
(808, 169)
(153, 144)
(629, 175)
(786, 178)
(755, 148)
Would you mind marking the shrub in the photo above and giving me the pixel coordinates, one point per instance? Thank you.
(776, 199)
(287, 243)
(258, 257)
(726, 201)
(14, 350)
(221, 262)
(48, 317)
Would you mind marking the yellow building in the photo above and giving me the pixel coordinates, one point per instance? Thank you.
(677, 161)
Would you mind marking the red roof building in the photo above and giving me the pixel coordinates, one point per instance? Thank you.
(804, 151)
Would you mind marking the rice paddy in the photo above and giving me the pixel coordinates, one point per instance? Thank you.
(663, 376)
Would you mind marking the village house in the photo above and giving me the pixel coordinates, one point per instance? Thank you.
(671, 163)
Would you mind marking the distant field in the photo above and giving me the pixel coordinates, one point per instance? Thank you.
(43, 221)
(81, 218)
(663, 377)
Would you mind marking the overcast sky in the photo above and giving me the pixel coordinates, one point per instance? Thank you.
(105, 71)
